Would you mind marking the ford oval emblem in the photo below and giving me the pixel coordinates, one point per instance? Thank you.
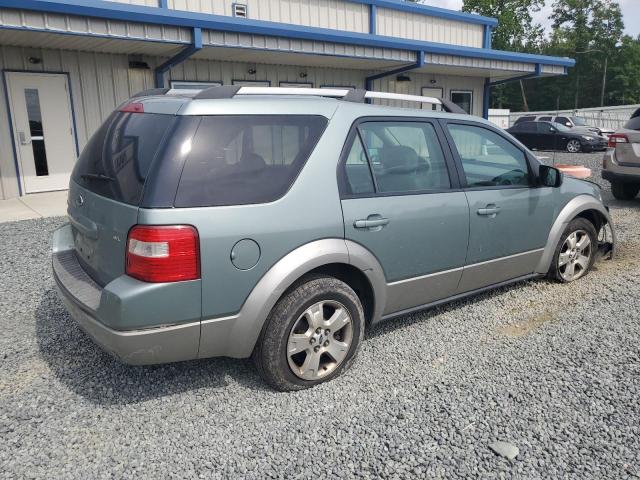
(80, 200)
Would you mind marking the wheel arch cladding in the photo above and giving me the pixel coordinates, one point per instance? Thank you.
(583, 206)
(236, 336)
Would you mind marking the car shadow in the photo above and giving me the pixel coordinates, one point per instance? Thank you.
(100, 378)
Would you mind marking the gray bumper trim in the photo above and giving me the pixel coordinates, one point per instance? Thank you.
(136, 347)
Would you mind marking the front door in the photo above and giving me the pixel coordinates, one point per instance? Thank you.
(510, 217)
(41, 118)
(400, 201)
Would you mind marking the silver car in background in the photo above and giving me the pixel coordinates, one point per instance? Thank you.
(621, 164)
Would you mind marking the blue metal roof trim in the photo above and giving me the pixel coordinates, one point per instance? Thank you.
(160, 16)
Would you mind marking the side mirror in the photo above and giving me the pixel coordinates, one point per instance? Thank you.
(549, 176)
(568, 124)
(552, 130)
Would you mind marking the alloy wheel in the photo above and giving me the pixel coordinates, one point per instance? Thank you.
(319, 340)
(575, 256)
(573, 146)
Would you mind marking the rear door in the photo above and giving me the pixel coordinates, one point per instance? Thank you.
(107, 185)
(401, 200)
(510, 217)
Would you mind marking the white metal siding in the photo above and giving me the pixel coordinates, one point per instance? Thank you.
(229, 39)
(395, 23)
(334, 14)
(56, 23)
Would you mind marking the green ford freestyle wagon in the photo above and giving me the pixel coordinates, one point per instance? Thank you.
(281, 223)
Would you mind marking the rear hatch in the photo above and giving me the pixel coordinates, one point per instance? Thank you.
(628, 153)
(106, 188)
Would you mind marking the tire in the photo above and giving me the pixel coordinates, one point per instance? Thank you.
(290, 317)
(574, 146)
(567, 259)
(624, 191)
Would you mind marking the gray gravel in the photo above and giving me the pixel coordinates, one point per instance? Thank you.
(553, 370)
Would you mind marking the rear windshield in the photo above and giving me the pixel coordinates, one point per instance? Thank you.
(117, 159)
(236, 160)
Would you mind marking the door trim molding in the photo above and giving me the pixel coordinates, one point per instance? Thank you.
(5, 84)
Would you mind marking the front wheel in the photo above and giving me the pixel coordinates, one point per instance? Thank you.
(576, 251)
(574, 146)
(311, 336)
(624, 191)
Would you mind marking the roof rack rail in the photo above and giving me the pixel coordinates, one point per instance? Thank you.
(345, 94)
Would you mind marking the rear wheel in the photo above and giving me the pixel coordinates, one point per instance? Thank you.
(576, 251)
(574, 146)
(311, 336)
(625, 191)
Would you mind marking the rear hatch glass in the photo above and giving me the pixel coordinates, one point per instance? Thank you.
(107, 185)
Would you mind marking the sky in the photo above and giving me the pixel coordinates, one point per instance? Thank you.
(630, 11)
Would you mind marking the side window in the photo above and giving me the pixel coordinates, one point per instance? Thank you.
(564, 121)
(545, 119)
(246, 159)
(357, 171)
(544, 127)
(405, 156)
(488, 159)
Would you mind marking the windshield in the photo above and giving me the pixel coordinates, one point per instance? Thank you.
(579, 121)
(560, 127)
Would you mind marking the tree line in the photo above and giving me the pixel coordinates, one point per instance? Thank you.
(607, 70)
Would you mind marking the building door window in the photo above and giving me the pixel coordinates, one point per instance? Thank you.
(464, 99)
(44, 136)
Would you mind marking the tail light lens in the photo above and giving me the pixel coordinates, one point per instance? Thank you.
(168, 253)
(133, 107)
(617, 138)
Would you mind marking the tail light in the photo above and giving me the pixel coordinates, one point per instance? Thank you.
(168, 253)
(617, 138)
(133, 107)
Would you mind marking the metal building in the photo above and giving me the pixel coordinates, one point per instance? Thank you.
(66, 64)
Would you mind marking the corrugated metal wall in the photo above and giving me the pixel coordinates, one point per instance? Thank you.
(335, 14)
(144, 3)
(100, 81)
(395, 23)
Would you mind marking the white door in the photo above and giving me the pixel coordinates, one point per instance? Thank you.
(432, 92)
(43, 129)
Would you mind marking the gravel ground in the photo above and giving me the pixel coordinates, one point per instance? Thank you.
(552, 369)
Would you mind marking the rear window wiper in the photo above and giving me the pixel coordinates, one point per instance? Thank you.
(97, 176)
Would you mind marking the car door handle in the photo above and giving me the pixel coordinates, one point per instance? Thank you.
(489, 210)
(370, 223)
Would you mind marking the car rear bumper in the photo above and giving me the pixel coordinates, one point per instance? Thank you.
(621, 177)
(84, 299)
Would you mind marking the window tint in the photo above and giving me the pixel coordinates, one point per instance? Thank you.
(237, 160)
(528, 127)
(489, 159)
(564, 121)
(545, 119)
(544, 127)
(405, 156)
(117, 159)
(357, 170)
